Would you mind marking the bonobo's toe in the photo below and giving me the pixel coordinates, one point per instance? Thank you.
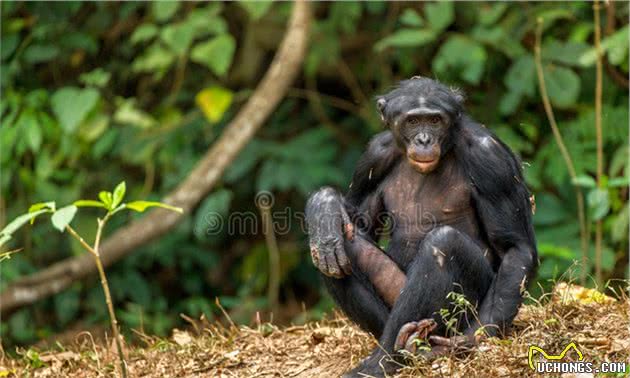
(403, 335)
(411, 332)
(425, 327)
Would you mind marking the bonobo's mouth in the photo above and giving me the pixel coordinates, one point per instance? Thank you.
(423, 166)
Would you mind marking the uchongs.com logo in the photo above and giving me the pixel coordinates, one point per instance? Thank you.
(555, 364)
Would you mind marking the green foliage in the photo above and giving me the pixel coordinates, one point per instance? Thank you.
(256, 9)
(461, 57)
(96, 91)
(62, 217)
(71, 105)
(215, 54)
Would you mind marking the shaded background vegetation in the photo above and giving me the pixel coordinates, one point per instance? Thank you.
(96, 93)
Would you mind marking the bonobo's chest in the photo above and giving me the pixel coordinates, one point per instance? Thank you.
(417, 203)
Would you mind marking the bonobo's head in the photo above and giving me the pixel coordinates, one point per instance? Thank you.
(423, 115)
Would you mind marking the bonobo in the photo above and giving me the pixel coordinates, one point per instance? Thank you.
(453, 199)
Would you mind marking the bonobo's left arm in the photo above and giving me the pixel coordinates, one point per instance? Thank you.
(502, 203)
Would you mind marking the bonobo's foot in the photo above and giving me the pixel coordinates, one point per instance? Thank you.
(412, 333)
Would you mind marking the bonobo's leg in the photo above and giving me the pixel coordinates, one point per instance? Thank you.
(381, 271)
(448, 261)
(358, 299)
(370, 291)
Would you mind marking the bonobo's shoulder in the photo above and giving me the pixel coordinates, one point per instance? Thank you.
(381, 144)
(375, 163)
(488, 162)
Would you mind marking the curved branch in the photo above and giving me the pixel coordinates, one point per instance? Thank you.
(273, 87)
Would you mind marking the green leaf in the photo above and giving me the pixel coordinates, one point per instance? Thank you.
(31, 129)
(62, 217)
(209, 217)
(119, 194)
(207, 21)
(40, 53)
(461, 56)
(568, 52)
(141, 206)
(521, 77)
(129, 114)
(178, 37)
(9, 43)
(491, 13)
(93, 127)
(615, 45)
(584, 181)
(95, 78)
(18, 222)
(618, 182)
(214, 102)
(88, 203)
(411, 18)
(143, 33)
(498, 38)
(256, 9)
(439, 14)
(215, 54)
(164, 10)
(406, 38)
(78, 40)
(550, 16)
(155, 59)
(552, 250)
(563, 85)
(598, 203)
(71, 105)
(42, 205)
(619, 228)
(509, 102)
(107, 199)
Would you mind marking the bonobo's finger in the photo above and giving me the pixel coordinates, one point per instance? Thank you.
(332, 266)
(342, 260)
(315, 255)
(322, 264)
(348, 231)
(440, 341)
(412, 342)
(425, 327)
(403, 335)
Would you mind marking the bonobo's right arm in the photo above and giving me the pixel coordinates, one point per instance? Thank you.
(329, 214)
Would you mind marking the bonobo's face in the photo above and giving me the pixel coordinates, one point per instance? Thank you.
(421, 132)
(421, 113)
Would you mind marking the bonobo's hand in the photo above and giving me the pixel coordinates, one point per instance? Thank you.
(328, 221)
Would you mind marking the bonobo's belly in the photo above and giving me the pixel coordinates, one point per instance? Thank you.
(416, 207)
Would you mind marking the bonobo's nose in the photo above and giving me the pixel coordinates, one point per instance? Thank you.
(423, 139)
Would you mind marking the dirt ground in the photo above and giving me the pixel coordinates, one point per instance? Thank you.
(328, 348)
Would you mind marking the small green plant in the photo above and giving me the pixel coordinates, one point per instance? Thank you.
(112, 203)
(460, 306)
(33, 360)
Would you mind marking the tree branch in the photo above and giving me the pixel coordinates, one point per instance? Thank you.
(273, 87)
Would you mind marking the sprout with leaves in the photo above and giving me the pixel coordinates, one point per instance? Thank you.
(112, 203)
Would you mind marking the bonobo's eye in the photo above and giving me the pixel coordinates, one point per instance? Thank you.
(435, 119)
(413, 121)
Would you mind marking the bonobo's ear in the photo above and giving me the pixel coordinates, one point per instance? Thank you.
(380, 106)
